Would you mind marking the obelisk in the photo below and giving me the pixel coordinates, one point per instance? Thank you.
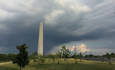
(40, 40)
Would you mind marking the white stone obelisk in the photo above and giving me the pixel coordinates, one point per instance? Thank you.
(40, 40)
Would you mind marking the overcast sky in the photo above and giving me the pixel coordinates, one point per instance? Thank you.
(66, 22)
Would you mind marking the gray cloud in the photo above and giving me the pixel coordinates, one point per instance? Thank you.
(65, 21)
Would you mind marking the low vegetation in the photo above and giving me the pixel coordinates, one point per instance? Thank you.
(62, 60)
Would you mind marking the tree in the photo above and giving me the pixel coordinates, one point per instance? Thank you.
(112, 55)
(108, 56)
(22, 57)
(80, 56)
(65, 53)
(11, 56)
(75, 57)
(58, 55)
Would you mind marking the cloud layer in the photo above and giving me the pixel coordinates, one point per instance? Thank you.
(80, 21)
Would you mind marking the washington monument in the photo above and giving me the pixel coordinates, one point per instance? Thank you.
(40, 40)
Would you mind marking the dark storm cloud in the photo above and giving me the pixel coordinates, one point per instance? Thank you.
(64, 22)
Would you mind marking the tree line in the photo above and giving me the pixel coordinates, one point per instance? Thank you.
(22, 58)
(7, 57)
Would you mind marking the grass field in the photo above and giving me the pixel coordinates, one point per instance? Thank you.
(67, 65)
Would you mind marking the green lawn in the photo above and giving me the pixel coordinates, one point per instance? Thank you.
(69, 65)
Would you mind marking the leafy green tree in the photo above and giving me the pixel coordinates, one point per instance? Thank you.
(65, 53)
(58, 56)
(80, 56)
(22, 57)
(108, 56)
(112, 55)
(3, 57)
(11, 56)
(75, 57)
(6, 57)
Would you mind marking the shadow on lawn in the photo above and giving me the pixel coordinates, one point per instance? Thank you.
(7, 68)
